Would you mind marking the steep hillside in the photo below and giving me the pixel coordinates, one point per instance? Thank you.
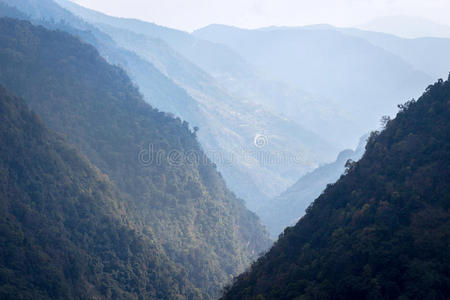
(286, 209)
(65, 229)
(159, 90)
(381, 231)
(153, 158)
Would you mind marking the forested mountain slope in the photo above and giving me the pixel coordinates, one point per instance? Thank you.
(65, 230)
(381, 231)
(153, 158)
(162, 92)
(286, 209)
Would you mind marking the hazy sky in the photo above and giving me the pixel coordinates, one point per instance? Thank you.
(192, 14)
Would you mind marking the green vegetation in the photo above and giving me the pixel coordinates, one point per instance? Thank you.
(199, 223)
(286, 209)
(382, 231)
(64, 228)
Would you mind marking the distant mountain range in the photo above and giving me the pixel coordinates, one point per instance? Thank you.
(365, 80)
(407, 27)
(429, 54)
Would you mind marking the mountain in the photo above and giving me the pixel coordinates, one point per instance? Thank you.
(407, 26)
(382, 230)
(152, 158)
(428, 54)
(65, 229)
(240, 78)
(242, 81)
(231, 132)
(221, 81)
(211, 57)
(366, 81)
(160, 90)
(286, 209)
(172, 63)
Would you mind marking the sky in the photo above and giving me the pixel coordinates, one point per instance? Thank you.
(189, 15)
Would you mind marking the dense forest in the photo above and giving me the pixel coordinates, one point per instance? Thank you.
(382, 231)
(179, 199)
(65, 228)
(127, 150)
(286, 209)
